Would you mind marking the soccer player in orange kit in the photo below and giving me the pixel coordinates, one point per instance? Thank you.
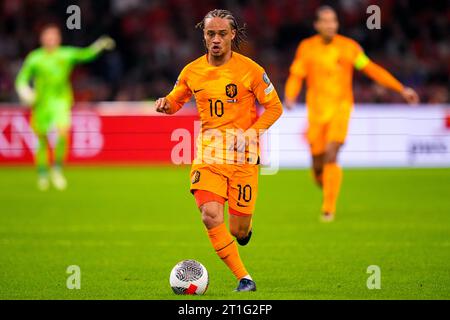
(225, 85)
(326, 61)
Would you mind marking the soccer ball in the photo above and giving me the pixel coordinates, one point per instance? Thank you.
(189, 277)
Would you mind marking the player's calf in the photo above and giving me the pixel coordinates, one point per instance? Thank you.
(238, 232)
(318, 177)
(243, 240)
(241, 227)
(318, 162)
(242, 235)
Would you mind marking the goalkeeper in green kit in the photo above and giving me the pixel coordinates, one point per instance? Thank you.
(48, 68)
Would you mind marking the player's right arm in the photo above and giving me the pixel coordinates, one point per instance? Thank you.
(180, 94)
(24, 91)
(382, 76)
(87, 54)
(297, 73)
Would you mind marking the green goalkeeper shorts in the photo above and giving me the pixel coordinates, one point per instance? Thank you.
(44, 119)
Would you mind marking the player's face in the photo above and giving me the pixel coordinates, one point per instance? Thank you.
(51, 38)
(327, 24)
(218, 36)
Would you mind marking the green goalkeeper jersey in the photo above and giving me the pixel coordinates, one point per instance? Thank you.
(50, 74)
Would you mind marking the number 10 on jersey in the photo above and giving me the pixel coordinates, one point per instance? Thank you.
(215, 107)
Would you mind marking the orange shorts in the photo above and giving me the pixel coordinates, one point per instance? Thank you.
(320, 134)
(236, 183)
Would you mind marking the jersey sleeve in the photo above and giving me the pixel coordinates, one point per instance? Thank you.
(360, 59)
(374, 71)
(81, 55)
(181, 93)
(26, 72)
(267, 96)
(298, 66)
(297, 72)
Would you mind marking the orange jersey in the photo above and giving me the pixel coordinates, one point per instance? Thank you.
(225, 97)
(328, 69)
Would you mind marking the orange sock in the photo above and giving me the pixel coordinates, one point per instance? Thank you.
(227, 250)
(332, 178)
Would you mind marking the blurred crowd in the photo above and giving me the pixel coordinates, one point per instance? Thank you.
(156, 38)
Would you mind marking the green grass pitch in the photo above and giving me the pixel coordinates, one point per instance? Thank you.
(126, 227)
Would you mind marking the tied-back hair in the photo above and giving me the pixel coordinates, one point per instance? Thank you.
(225, 14)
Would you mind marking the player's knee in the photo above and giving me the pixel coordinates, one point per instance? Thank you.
(332, 158)
(211, 216)
(331, 155)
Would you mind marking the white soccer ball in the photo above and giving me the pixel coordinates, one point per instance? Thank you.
(189, 277)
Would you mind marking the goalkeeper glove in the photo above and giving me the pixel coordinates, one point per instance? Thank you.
(26, 95)
(104, 43)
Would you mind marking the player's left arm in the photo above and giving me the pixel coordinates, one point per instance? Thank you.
(267, 96)
(383, 77)
(87, 54)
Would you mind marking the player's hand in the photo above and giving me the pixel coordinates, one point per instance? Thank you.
(410, 95)
(27, 95)
(162, 105)
(289, 104)
(105, 43)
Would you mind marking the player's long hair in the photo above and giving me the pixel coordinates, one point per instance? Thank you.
(225, 14)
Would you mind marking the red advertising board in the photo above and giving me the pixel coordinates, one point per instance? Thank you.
(100, 135)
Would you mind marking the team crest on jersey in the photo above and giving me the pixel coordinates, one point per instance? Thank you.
(231, 90)
(195, 177)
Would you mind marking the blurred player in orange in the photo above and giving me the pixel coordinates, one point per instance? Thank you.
(326, 61)
(226, 85)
